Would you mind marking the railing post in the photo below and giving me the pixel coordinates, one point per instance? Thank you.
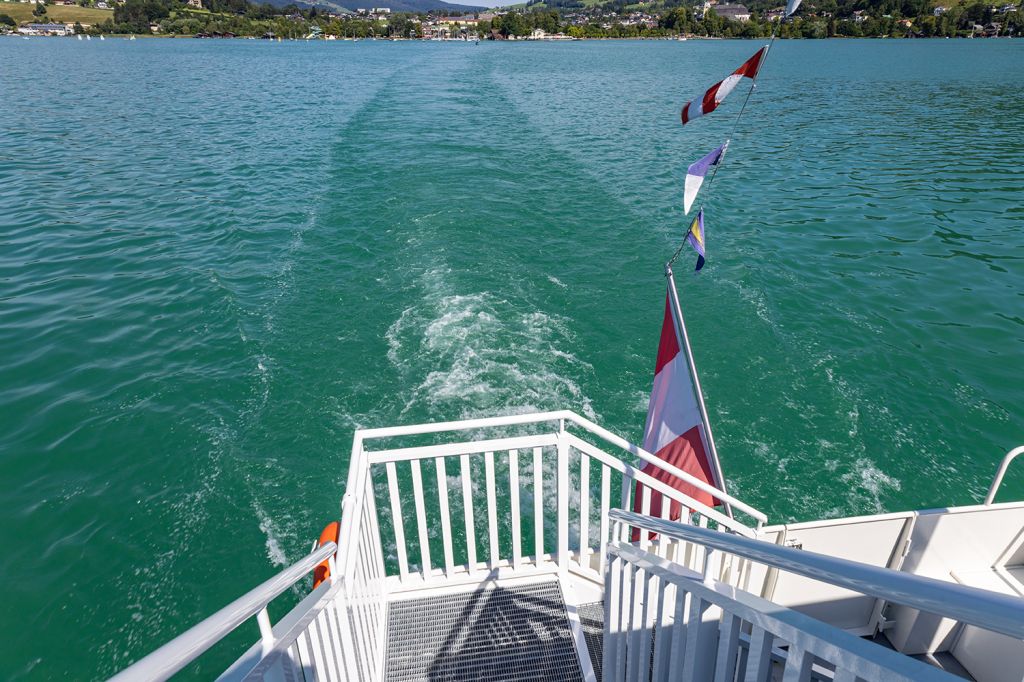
(563, 499)
(266, 631)
(712, 562)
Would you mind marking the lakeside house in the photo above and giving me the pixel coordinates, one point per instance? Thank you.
(47, 29)
(734, 12)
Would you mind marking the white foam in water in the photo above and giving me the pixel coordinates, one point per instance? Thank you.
(479, 354)
(274, 551)
(867, 479)
(557, 282)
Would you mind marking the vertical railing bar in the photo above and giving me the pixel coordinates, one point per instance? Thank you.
(645, 509)
(327, 642)
(612, 627)
(316, 647)
(397, 522)
(661, 647)
(563, 504)
(538, 505)
(363, 614)
(338, 643)
(675, 665)
(421, 518)
(266, 631)
(584, 511)
(515, 521)
(627, 484)
(492, 508)
(446, 522)
(759, 660)
(625, 611)
(701, 554)
(605, 503)
(798, 665)
(377, 575)
(665, 544)
(636, 626)
(467, 507)
(332, 616)
(728, 645)
(694, 654)
(646, 623)
(305, 659)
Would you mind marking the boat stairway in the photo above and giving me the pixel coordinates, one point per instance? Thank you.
(540, 547)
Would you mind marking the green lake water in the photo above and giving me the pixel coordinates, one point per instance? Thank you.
(217, 259)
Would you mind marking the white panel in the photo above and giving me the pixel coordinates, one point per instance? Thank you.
(946, 542)
(871, 543)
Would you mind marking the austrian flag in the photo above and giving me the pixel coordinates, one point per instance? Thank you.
(717, 93)
(674, 430)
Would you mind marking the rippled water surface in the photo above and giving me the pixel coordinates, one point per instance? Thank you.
(217, 259)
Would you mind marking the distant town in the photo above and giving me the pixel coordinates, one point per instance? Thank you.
(536, 20)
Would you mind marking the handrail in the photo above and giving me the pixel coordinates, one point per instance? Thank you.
(654, 484)
(188, 646)
(998, 480)
(985, 609)
(607, 435)
(568, 415)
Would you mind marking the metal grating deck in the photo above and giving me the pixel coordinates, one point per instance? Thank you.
(592, 620)
(511, 634)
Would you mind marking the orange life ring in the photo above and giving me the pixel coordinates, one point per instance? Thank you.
(323, 570)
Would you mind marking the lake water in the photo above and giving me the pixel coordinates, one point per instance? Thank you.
(217, 259)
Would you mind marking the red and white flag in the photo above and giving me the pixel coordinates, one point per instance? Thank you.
(674, 430)
(720, 90)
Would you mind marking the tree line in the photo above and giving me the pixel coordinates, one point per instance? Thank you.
(820, 19)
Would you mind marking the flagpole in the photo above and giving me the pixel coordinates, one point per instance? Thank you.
(680, 324)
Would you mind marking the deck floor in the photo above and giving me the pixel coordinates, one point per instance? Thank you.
(512, 634)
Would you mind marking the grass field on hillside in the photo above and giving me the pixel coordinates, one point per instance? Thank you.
(63, 14)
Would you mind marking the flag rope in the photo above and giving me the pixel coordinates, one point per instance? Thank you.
(708, 193)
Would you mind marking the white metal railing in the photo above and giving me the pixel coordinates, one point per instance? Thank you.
(185, 648)
(519, 504)
(663, 622)
(361, 567)
(983, 608)
(998, 480)
(468, 525)
(647, 595)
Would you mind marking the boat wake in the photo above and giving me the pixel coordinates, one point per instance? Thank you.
(480, 354)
